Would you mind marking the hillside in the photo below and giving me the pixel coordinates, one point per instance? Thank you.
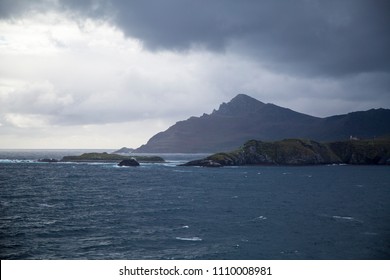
(302, 152)
(245, 118)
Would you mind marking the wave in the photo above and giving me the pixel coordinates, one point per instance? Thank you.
(343, 218)
(18, 161)
(346, 218)
(195, 238)
(46, 205)
(260, 218)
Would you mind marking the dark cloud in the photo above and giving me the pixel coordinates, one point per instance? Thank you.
(314, 37)
(324, 38)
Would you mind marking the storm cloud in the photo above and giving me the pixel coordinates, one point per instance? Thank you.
(316, 37)
(321, 37)
(73, 65)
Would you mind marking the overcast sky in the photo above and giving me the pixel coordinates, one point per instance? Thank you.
(112, 73)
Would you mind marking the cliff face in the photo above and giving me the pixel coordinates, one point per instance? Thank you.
(246, 118)
(363, 151)
(302, 152)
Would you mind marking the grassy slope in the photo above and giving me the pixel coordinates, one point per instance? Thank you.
(307, 152)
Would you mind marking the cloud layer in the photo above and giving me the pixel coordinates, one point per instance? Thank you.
(113, 73)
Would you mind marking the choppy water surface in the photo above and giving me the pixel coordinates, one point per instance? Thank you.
(161, 211)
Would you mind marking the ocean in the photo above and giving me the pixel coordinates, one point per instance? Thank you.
(163, 211)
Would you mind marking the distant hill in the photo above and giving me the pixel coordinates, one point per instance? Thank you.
(245, 118)
(124, 150)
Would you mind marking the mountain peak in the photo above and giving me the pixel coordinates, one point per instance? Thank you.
(240, 104)
(243, 98)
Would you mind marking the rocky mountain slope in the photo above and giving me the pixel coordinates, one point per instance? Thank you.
(245, 118)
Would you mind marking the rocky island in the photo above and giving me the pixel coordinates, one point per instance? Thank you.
(102, 157)
(302, 152)
(128, 162)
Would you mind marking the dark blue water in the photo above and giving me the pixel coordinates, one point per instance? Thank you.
(160, 211)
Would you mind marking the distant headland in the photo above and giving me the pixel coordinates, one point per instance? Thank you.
(302, 152)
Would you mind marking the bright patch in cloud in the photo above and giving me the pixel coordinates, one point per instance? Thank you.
(26, 120)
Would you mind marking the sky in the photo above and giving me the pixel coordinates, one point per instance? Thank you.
(110, 73)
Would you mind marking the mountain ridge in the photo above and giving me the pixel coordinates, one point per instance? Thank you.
(245, 117)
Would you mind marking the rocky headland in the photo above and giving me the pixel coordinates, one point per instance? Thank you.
(302, 152)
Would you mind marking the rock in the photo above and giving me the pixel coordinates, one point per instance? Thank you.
(128, 162)
(374, 151)
(203, 163)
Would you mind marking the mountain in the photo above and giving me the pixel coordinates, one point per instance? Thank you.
(124, 150)
(245, 118)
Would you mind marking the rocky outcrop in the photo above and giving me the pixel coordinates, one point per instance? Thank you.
(203, 163)
(375, 151)
(128, 162)
(88, 157)
(302, 152)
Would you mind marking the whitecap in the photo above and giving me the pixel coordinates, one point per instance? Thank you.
(49, 222)
(290, 252)
(45, 205)
(7, 161)
(17, 161)
(185, 227)
(346, 218)
(195, 238)
(343, 218)
(260, 218)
